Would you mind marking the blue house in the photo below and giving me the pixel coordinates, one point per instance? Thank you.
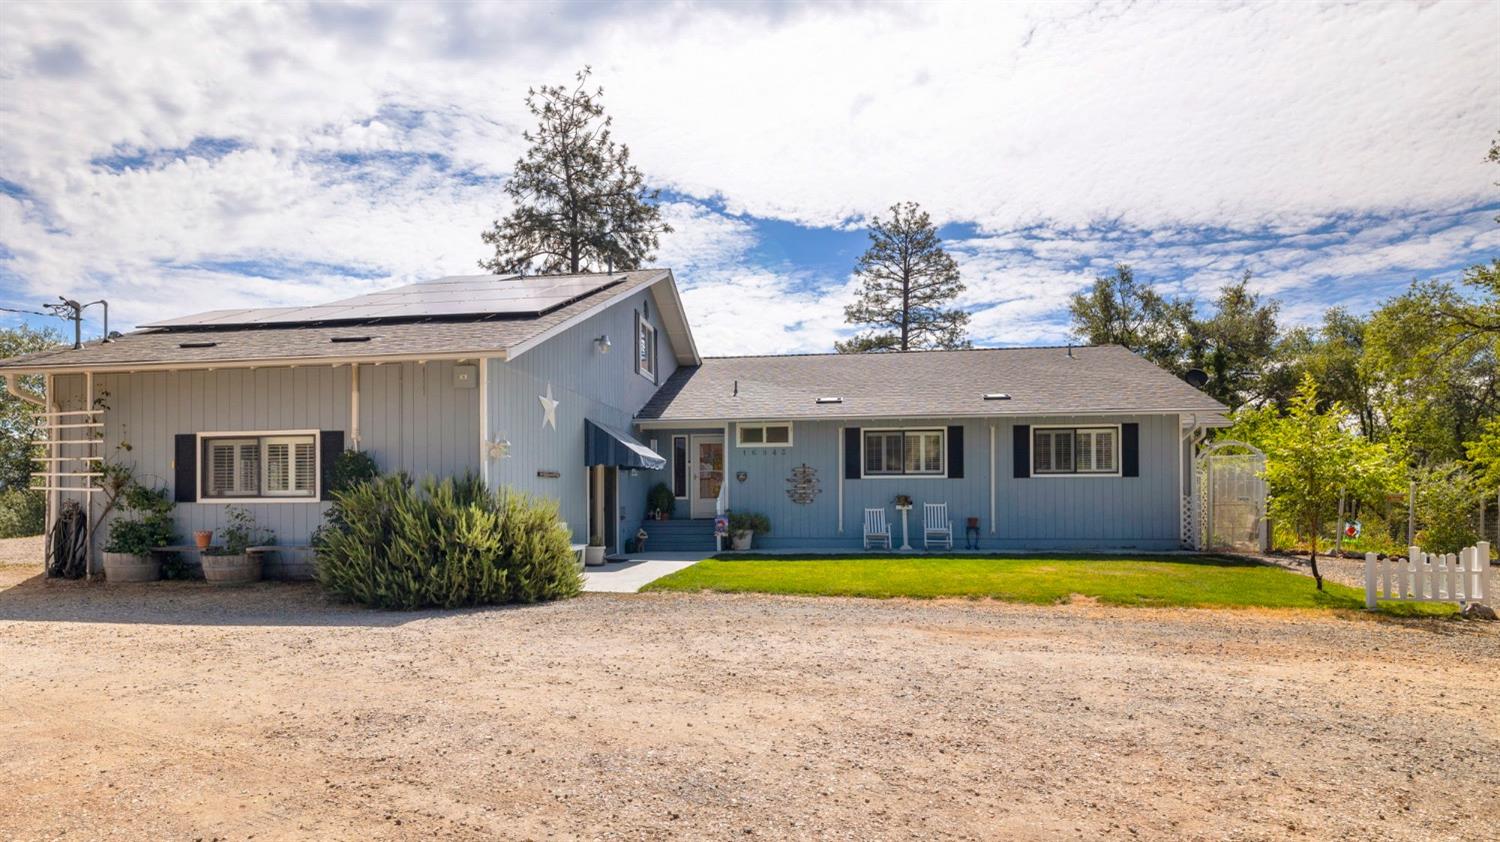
(589, 389)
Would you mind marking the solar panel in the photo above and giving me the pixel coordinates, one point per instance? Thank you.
(462, 295)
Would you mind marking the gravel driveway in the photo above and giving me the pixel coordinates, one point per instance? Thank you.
(175, 711)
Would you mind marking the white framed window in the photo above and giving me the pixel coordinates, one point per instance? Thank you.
(905, 453)
(258, 466)
(1075, 451)
(764, 435)
(645, 348)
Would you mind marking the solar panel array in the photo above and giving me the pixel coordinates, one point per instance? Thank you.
(463, 295)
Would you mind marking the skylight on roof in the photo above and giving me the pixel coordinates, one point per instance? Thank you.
(996, 396)
(830, 400)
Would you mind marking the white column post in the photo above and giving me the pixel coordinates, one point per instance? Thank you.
(994, 459)
(840, 449)
(484, 422)
(88, 498)
(1369, 581)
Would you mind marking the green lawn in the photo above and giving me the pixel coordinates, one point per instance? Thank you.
(1115, 580)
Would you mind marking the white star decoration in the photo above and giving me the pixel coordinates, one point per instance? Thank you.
(549, 408)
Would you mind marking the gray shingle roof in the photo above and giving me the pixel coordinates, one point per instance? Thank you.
(283, 344)
(1098, 379)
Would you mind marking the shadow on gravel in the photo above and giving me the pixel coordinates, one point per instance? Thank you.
(197, 603)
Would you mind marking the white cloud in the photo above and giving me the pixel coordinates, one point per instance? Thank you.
(1073, 135)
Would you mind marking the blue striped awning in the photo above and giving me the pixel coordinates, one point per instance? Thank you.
(610, 447)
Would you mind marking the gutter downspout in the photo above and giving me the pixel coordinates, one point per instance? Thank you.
(354, 438)
(13, 386)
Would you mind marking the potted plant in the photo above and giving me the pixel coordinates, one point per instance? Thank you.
(903, 501)
(744, 525)
(660, 498)
(229, 563)
(204, 538)
(127, 554)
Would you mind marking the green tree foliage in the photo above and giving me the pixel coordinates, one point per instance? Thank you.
(1435, 351)
(1236, 345)
(451, 543)
(1484, 453)
(1311, 459)
(1120, 310)
(22, 512)
(18, 427)
(580, 204)
(907, 282)
(1445, 505)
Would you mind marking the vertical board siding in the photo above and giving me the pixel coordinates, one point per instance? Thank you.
(1034, 513)
(603, 388)
(413, 419)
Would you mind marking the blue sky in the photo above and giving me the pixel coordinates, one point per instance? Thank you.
(174, 159)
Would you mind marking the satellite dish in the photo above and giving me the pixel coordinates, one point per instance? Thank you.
(1196, 377)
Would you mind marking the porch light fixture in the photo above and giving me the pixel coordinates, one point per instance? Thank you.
(996, 396)
(830, 400)
(601, 344)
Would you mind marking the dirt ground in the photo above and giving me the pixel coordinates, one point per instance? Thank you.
(175, 711)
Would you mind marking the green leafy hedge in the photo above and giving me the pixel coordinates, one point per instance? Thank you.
(22, 513)
(394, 544)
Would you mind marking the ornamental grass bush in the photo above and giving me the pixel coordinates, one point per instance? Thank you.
(396, 544)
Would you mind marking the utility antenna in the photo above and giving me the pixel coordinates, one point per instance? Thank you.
(72, 310)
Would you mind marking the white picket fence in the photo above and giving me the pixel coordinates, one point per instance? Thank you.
(1429, 577)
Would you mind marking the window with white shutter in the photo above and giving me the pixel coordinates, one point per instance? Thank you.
(905, 453)
(246, 466)
(1075, 451)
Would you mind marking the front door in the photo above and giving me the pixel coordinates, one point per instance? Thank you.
(705, 473)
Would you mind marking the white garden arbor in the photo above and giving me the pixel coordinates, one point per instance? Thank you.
(1229, 498)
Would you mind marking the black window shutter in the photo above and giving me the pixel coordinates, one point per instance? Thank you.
(956, 452)
(330, 445)
(851, 453)
(1021, 450)
(185, 479)
(1130, 450)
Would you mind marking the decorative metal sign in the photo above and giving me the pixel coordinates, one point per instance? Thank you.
(803, 485)
(741, 476)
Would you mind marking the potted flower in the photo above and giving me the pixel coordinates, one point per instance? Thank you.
(204, 538)
(660, 499)
(903, 501)
(127, 554)
(744, 525)
(229, 563)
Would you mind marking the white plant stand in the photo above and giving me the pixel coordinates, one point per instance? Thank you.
(905, 530)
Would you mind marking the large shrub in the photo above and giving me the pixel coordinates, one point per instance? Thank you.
(22, 513)
(1445, 509)
(394, 544)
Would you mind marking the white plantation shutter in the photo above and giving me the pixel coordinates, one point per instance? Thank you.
(274, 466)
(1042, 456)
(1104, 451)
(278, 467)
(304, 476)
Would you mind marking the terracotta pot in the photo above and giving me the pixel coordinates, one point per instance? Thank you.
(203, 538)
(231, 569)
(740, 541)
(125, 567)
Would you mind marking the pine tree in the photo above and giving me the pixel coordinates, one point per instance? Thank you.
(907, 278)
(580, 203)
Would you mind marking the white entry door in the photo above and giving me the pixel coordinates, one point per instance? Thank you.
(705, 473)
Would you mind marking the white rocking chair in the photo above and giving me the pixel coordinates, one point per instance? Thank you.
(876, 529)
(936, 527)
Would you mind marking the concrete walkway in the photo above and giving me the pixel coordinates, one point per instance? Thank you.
(628, 574)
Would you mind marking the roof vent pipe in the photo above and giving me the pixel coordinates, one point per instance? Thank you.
(1070, 350)
(736, 388)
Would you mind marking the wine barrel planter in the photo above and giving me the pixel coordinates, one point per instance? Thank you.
(231, 569)
(124, 567)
